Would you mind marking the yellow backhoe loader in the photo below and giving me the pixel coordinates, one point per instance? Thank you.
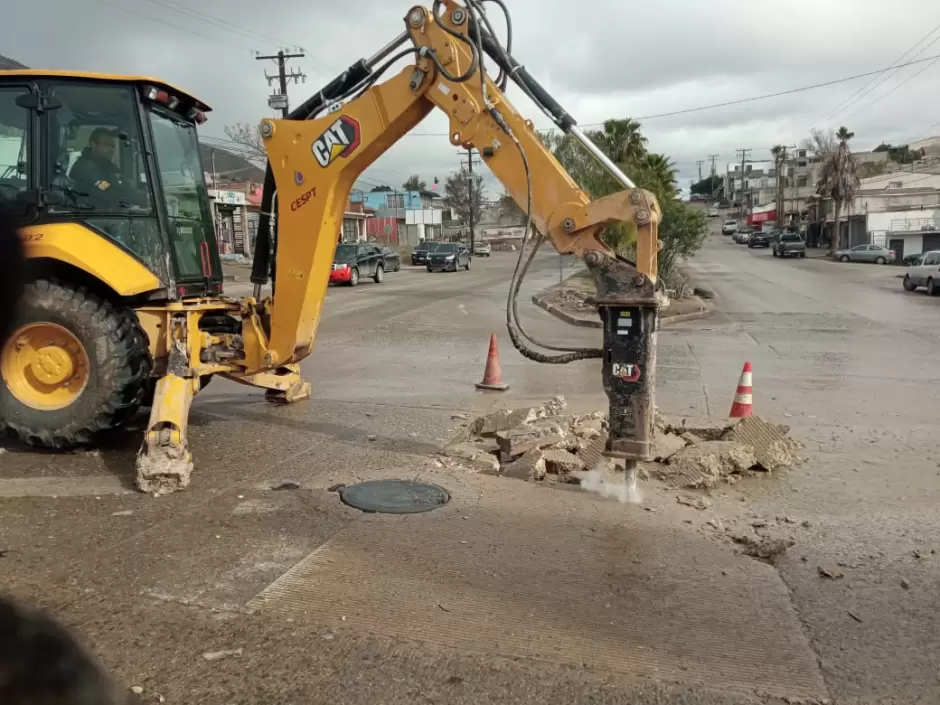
(125, 306)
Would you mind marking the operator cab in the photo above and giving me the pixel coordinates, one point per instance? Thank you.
(117, 155)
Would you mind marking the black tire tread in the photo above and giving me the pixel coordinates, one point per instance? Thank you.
(125, 365)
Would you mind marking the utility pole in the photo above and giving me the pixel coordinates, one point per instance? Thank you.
(278, 101)
(713, 157)
(744, 153)
(472, 158)
(700, 162)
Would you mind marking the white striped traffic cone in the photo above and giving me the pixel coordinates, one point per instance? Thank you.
(743, 397)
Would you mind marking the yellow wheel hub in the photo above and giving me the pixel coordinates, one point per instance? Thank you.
(45, 366)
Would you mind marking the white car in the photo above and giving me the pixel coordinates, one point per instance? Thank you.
(712, 212)
(481, 248)
(730, 227)
(925, 273)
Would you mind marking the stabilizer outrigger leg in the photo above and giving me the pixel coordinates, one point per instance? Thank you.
(283, 385)
(164, 463)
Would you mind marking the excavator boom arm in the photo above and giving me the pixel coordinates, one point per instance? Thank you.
(315, 162)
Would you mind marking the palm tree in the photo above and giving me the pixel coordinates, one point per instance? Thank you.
(838, 179)
(414, 183)
(780, 156)
(661, 174)
(623, 142)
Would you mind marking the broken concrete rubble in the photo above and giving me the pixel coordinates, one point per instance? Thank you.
(531, 466)
(765, 548)
(705, 429)
(666, 445)
(538, 441)
(521, 439)
(562, 463)
(772, 447)
(706, 464)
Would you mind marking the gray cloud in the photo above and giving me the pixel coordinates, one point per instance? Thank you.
(601, 59)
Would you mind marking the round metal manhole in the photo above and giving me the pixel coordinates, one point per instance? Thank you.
(394, 496)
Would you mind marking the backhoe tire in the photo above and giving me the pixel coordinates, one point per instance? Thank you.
(379, 274)
(76, 365)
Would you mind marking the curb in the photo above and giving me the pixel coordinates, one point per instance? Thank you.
(583, 321)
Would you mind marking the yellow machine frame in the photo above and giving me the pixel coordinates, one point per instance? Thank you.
(315, 163)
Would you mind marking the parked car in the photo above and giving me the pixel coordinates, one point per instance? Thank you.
(789, 245)
(420, 253)
(713, 212)
(912, 260)
(729, 228)
(449, 256)
(866, 253)
(742, 235)
(392, 260)
(481, 248)
(925, 273)
(351, 262)
(760, 238)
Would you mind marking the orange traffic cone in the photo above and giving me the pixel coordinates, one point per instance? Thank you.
(743, 397)
(493, 373)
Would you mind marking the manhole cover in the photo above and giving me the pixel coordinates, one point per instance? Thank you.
(394, 496)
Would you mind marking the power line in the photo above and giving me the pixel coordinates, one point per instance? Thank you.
(738, 101)
(887, 93)
(880, 78)
(174, 26)
(228, 26)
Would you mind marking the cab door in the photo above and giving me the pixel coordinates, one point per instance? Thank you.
(366, 260)
(929, 264)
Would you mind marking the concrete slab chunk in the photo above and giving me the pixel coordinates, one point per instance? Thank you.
(531, 466)
(705, 428)
(706, 464)
(772, 447)
(665, 446)
(561, 462)
(521, 439)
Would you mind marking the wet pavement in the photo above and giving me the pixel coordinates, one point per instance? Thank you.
(515, 592)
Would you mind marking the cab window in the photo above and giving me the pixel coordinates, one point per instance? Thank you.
(96, 150)
(14, 145)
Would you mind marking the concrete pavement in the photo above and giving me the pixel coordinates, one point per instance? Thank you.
(516, 592)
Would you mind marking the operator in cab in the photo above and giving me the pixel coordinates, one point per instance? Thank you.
(95, 170)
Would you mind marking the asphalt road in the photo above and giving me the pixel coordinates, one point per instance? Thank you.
(514, 592)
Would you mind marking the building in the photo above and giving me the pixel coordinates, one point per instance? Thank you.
(355, 219)
(907, 232)
(236, 209)
(402, 217)
(234, 185)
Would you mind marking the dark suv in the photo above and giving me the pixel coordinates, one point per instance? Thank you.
(353, 261)
(420, 253)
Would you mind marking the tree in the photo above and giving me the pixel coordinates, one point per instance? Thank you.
(838, 177)
(380, 189)
(463, 196)
(510, 210)
(780, 157)
(250, 140)
(415, 183)
(622, 141)
(708, 186)
(682, 230)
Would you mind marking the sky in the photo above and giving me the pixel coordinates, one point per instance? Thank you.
(600, 59)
